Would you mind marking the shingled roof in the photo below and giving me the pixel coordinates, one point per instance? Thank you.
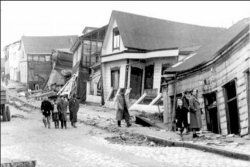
(146, 33)
(209, 51)
(45, 44)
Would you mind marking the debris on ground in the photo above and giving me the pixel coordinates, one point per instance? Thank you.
(17, 116)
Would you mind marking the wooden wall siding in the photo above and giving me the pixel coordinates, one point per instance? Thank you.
(107, 75)
(233, 66)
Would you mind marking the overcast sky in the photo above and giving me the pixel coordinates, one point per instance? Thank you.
(44, 18)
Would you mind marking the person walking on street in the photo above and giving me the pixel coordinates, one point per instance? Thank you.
(122, 109)
(62, 109)
(195, 113)
(73, 109)
(55, 115)
(181, 117)
(46, 108)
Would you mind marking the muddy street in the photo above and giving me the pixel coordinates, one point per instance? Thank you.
(25, 138)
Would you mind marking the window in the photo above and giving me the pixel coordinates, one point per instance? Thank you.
(42, 58)
(47, 58)
(116, 38)
(35, 58)
(29, 58)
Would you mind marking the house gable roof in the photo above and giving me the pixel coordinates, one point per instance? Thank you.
(211, 50)
(45, 44)
(146, 33)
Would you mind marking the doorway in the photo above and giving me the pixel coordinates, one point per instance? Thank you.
(135, 82)
(232, 113)
(149, 77)
(212, 117)
(115, 79)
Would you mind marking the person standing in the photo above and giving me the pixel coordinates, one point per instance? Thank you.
(122, 109)
(185, 99)
(46, 108)
(195, 113)
(73, 109)
(62, 109)
(181, 117)
(55, 114)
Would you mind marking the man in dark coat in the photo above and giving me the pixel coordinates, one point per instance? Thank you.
(46, 108)
(195, 113)
(73, 109)
(62, 109)
(122, 108)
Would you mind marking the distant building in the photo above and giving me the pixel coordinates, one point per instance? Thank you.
(36, 58)
(220, 71)
(11, 60)
(137, 49)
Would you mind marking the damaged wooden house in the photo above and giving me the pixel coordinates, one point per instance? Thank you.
(220, 71)
(86, 71)
(62, 60)
(36, 58)
(137, 49)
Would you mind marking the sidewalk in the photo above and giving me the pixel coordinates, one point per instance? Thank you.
(231, 146)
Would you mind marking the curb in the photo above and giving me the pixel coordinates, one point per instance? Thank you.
(172, 143)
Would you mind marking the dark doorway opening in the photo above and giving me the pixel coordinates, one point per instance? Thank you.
(232, 113)
(149, 77)
(212, 117)
(136, 82)
(248, 97)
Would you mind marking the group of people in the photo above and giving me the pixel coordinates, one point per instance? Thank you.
(188, 108)
(57, 109)
(187, 105)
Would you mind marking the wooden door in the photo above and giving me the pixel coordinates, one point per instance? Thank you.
(136, 82)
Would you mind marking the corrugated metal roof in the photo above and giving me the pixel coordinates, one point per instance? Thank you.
(146, 33)
(45, 44)
(209, 51)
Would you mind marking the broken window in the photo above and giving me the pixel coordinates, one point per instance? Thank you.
(116, 38)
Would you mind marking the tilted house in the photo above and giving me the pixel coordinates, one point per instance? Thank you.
(137, 49)
(12, 56)
(35, 58)
(220, 71)
(85, 81)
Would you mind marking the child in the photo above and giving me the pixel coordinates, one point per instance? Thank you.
(181, 117)
(55, 115)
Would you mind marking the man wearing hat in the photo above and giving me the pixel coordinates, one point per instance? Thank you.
(122, 108)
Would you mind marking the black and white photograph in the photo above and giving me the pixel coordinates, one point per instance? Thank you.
(125, 84)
